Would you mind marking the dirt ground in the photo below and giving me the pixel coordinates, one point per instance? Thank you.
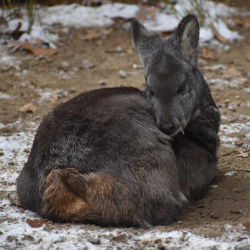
(227, 201)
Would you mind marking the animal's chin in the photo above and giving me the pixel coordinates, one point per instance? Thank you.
(178, 131)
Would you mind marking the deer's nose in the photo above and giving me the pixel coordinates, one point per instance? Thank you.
(167, 129)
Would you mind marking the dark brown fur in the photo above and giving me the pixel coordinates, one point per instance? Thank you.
(117, 156)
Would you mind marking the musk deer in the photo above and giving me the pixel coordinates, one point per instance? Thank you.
(123, 157)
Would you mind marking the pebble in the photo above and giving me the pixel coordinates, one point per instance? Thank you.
(94, 240)
(122, 73)
(86, 64)
(57, 238)
(135, 66)
(26, 150)
(102, 82)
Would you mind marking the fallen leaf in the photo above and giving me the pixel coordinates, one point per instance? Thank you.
(5, 187)
(14, 45)
(29, 107)
(35, 223)
(243, 153)
(94, 35)
(153, 11)
(238, 227)
(9, 173)
(91, 36)
(240, 239)
(16, 202)
(247, 226)
(239, 143)
(230, 73)
(218, 35)
(37, 51)
(206, 53)
(243, 21)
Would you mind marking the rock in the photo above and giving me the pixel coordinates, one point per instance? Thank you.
(102, 82)
(86, 64)
(57, 238)
(122, 73)
(26, 150)
(94, 240)
(135, 66)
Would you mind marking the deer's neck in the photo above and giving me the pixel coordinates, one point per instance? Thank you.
(203, 128)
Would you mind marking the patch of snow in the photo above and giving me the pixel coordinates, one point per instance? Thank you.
(15, 233)
(14, 157)
(215, 67)
(236, 127)
(9, 61)
(73, 236)
(231, 173)
(4, 96)
(164, 20)
(225, 32)
(222, 83)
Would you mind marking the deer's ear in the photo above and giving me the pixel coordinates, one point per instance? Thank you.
(145, 41)
(187, 36)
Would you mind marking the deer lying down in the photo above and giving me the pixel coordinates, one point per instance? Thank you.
(123, 157)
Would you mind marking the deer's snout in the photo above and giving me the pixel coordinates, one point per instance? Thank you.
(167, 129)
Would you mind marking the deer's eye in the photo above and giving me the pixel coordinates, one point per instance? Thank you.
(181, 88)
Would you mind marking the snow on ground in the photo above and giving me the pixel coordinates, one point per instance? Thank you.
(15, 233)
(165, 19)
(20, 235)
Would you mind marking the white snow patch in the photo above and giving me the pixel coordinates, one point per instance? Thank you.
(72, 236)
(231, 173)
(4, 96)
(9, 61)
(220, 84)
(236, 127)
(12, 147)
(165, 20)
(214, 67)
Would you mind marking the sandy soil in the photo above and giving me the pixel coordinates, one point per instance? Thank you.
(85, 65)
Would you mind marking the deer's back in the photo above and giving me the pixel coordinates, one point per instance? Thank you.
(106, 138)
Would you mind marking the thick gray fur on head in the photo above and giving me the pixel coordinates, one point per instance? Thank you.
(117, 156)
(174, 84)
